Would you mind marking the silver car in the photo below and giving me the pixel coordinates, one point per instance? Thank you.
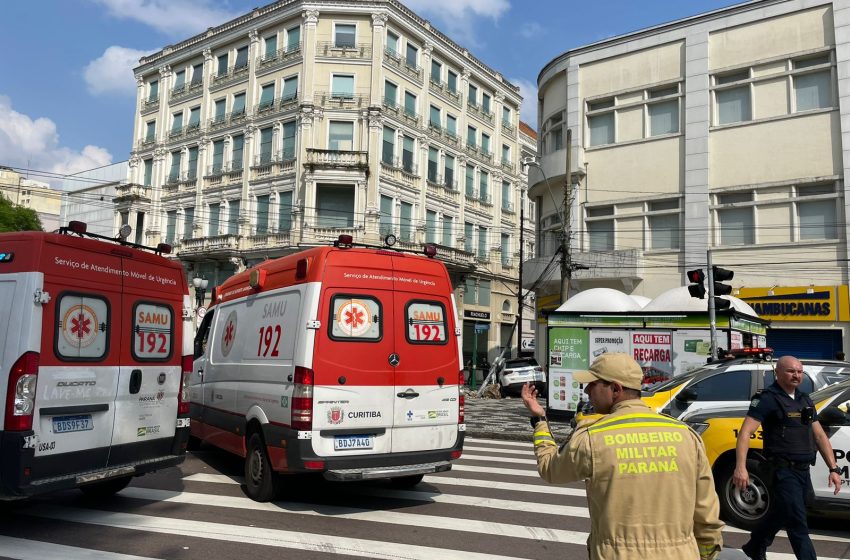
(516, 372)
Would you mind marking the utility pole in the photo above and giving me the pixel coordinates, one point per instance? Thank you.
(520, 295)
(566, 261)
(712, 320)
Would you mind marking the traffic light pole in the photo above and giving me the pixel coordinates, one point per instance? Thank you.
(712, 321)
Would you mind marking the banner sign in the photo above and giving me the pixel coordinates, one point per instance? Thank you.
(568, 352)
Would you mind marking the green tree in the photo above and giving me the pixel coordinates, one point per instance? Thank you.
(17, 218)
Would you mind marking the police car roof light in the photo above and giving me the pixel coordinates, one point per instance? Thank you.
(77, 227)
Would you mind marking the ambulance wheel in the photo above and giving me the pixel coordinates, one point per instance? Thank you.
(105, 488)
(742, 509)
(261, 482)
(407, 481)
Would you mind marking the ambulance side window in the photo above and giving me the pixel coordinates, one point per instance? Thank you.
(356, 318)
(203, 334)
(426, 322)
(82, 327)
(153, 331)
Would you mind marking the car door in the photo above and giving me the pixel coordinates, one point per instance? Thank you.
(725, 388)
(839, 438)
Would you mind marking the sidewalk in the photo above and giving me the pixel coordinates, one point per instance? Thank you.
(505, 418)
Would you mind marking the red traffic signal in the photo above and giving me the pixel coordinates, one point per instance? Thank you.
(697, 276)
(697, 289)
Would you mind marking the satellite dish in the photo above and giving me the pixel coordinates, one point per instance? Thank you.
(125, 231)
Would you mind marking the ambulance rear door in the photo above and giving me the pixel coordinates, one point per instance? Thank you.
(150, 371)
(426, 377)
(78, 373)
(354, 358)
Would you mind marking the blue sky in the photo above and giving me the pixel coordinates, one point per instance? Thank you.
(67, 92)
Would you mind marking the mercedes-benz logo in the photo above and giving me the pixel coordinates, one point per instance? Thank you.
(394, 359)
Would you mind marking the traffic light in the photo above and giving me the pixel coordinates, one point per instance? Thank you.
(718, 275)
(696, 289)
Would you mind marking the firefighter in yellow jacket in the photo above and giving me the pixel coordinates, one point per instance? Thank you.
(649, 485)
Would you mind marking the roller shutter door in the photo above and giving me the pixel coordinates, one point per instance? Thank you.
(805, 343)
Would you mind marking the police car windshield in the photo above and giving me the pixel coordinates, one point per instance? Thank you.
(830, 391)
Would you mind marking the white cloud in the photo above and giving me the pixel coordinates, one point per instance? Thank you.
(112, 72)
(528, 111)
(178, 18)
(530, 30)
(455, 16)
(34, 144)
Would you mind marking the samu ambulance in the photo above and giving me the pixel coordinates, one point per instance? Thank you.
(92, 345)
(338, 360)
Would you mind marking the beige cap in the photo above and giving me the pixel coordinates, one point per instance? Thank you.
(617, 367)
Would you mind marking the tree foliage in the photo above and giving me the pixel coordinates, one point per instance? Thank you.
(17, 218)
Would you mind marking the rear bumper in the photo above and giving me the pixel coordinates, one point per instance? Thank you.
(387, 472)
(23, 475)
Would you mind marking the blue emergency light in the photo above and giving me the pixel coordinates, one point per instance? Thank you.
(7, 257)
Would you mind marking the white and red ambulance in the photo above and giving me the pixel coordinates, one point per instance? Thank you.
(341, 360)
(94, 337)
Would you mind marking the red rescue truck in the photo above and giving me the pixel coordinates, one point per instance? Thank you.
(342, 360)
(95, 336)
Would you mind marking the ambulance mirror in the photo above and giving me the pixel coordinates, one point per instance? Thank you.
(125, 231)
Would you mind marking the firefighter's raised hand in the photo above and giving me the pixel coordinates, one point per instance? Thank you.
(529, 398)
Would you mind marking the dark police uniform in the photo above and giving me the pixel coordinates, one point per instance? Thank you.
(789, 445)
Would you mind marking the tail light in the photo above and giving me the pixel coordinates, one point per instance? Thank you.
(20, 394)
(302, 399)
(461, 400)
(183, 392)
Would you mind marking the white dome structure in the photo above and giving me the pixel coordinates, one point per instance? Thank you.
(600, 300)
(641, 300)
(679, 300)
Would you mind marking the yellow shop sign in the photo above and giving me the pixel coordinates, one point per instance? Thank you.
(798, 303)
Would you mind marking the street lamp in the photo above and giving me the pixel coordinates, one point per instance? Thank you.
(200, 284)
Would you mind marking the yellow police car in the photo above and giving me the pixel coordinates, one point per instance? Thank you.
(719, 430)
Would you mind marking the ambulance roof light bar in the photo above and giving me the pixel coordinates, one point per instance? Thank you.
(81, 229)
(344, 241)
(77, 227)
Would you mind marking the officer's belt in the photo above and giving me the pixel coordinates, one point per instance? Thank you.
(782, 462)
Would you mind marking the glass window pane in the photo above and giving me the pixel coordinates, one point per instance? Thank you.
(241, 58)
(388, 152)
(220, 106)
(812, 91)
(171, 226)
(484, 292)
(267, 95)
(452, 82)
(263, 214)
(238, 152)
(233, 217)
(222, 65)
(344, 35)
(293, 38)
(664, 231)
(82, 327)
(271, 46)
(448, 233)
(430, 226)
(435, 116)
(188, 221)
(729, 386)
(472, 96)
(215, 219)
(194, 117)
(817, 219)
(468, 245)
(288, 141)
(335, 206)
(736, 226)
(482, 242)
(180, 79)
(343, 86)
(386, 219)
(290, 88)
(406, 222)
(341, 135)
(451, 124)
(409, 103)
(485, 102)
(218, 155)
(412, 56)
(178, 122)
(390, 93)
(154, 90)
(471, 134)
(392, 42)
(284, 220)
(436, 71)
(470, 180)
(733, 105)
(601, 129)
(266, 136)
(664, 118)
(407, 154)
(355, 318)
(601, 235)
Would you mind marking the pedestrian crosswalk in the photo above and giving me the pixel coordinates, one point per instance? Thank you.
(490, 506)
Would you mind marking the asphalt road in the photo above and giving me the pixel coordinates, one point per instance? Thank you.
(490, 506)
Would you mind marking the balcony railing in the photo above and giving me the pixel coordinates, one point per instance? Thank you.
(508, 127)
(149, 105)
(340, 100)
(337, 159)
(272, 165)
(186, 132)
(222, 121)
(395, 60)
(270, 240)
(233, 74)
(508, 206)
(217, 243)
(280, 57)
(455, 256)
(443, 89)
(131, 191)
(507, 166)
(480, 112)
(187, 90)
(331, 49)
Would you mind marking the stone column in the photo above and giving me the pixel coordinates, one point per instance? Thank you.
(164, 99)
(379, 23)
(206, 107)
(310, 19)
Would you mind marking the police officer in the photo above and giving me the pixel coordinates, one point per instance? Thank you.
(791, 432)
(650, 489)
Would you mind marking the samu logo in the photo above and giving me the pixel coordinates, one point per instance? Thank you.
(335, 415)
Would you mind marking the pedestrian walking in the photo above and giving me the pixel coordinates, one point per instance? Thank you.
(791, 433)
(650, 489)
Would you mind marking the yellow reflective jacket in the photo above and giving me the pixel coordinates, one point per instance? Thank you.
(649, 485)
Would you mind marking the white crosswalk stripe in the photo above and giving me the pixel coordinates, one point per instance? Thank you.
(464, 505)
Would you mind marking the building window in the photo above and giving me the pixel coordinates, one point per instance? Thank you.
(448, 231)
(388, 152)
(153, 91)
(271, 46)
(470, 181)
(334, 206)
(340, 135)
(179, 80)
(188, 219)
(664, 231)
(484, 293)
(174, 173)
(407, 154)
(287, 148)
(412, 56)
(267, 95)
(434, 117)
(148, 172)
(733, 103)
(599, 222)
(215, 220)
(220, 110)
(344, 35)
(386, 219)
(284, 220)
(506, 116)
(553, 133)
(218, 156)
(485, 103)
(812, 90)
(472, 96)
(293, 38)
(482, 243)
(405, 222)
(192, 170)
(433, 164)
(817, 218)
(430, 226)
(342, 86)
(194, 118)
(663, 111)
(266, 136)
(290, 88)
(150, 131)
(436, 71)
(238, 104)
(238, 161)
(736, 223)
(449, 171)
(222, 65)
(485, 144)
(601, 125)
(392, 44)
(506, 153)
(506, 249)
(506, 196)
(262, 214)
(241, 58)
(451, 81)
(471, 136)
(468, 241)
(171, 226)
(484, 186)
(390, 94)
(233, 217)
(410, 104)
(628, 116)
(451, 125)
